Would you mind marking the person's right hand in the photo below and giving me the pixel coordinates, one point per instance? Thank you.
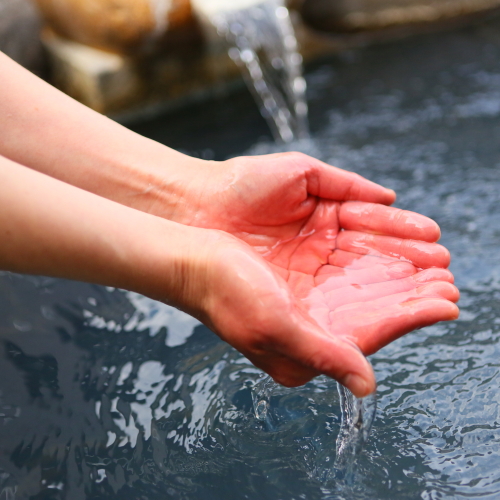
(295, 325)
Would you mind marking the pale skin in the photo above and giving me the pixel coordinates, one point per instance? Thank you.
(302, 267)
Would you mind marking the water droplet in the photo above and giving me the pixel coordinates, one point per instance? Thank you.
(299, 84)
(277, 63)
(261, 410)
(281, 12)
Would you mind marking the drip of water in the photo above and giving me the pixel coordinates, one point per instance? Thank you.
(261, 396)
(262, 42)
(357, 415)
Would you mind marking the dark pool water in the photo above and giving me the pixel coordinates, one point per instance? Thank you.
(107, 395)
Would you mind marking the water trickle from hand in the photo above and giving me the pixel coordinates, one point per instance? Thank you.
(357, 415)
(262, 42)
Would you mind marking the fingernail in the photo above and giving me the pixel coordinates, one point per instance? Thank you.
(357, 385)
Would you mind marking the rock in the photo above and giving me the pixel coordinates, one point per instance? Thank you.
(365, 15)
(20, 34)
(122, 26)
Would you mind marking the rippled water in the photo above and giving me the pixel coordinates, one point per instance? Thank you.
(107, 395)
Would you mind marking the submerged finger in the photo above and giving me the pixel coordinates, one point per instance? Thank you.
(420, 253)
(389, 221)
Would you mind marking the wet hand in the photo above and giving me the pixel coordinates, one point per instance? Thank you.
(320, 304)
(323, 278)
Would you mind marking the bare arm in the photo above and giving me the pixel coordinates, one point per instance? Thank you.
(44, 129)
(51, 228)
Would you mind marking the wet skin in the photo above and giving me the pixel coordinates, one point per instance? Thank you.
(321, 279)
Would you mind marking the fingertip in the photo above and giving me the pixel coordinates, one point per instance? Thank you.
(454, 312)
(360, 386)
(446, 257)
(443, 289)
(438, 232)
(385, 196)
(360, 380)
(391, 196)
(433, 232)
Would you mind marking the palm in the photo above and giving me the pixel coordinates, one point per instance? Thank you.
(347, 272)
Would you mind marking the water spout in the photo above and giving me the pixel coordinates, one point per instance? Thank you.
(262, 42)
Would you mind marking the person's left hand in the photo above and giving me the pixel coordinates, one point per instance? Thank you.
(359, 269)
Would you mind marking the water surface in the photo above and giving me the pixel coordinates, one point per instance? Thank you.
(107, 395)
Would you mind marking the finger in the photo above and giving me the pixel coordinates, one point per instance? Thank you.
(376, 329)
(283, 370)
(419, 253)
(330, 278)
(379, 219)
(334, 183)
(365, 293)
(353, 260)
(437, 289)
(335, 357)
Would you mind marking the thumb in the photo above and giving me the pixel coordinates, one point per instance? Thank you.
(334, 183)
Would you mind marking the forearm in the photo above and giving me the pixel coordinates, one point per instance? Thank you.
(51, 228)
(48, 131)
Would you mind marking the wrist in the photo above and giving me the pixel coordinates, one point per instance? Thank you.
(173, 263)
(165, 182)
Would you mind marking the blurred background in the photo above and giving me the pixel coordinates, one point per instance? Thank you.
(123, 57)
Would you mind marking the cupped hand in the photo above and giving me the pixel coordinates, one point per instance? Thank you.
(296, 325)
(320, 280)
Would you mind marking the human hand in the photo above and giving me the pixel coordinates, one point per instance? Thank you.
(297, 324)
(357, 273)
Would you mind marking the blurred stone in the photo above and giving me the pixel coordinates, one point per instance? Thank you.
(366, 15)
(20, 34)
(123, 26)
(99, 79)
(120, 85)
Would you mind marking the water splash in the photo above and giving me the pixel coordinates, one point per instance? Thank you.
(357, 415)
(263, 43)
(357, 418)
(261, 395)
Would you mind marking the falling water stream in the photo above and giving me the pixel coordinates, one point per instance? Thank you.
(263, 44)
